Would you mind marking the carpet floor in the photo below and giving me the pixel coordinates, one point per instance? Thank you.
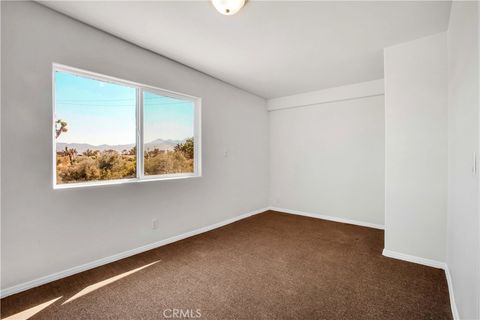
(269, 266)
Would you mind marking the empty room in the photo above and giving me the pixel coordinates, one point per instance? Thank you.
(240, 159)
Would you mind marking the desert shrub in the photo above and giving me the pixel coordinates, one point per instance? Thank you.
(84, 169)
(115, 166)
(186, 148)
(96, 166)
(109, 164)
(167, 163)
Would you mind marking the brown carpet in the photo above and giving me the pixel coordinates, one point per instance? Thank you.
(270, 266)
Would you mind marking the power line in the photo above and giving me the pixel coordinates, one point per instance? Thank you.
(119, 105)
(113, 100)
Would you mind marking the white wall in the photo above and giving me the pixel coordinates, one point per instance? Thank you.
(46, 230)
(329, 158)
(463, 238)
(416, 147)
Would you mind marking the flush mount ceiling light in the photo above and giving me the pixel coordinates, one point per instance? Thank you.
(228, 7)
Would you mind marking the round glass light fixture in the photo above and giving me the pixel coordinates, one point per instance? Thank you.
(228, 7)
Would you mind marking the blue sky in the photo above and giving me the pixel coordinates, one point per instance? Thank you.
(100, 112)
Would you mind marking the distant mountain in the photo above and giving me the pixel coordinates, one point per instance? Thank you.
(82, 147)
(162, 144)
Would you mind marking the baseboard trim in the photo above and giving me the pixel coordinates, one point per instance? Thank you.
(96, 263)
(453, 304)
(414, 259)
(330, 218)
(429, 263)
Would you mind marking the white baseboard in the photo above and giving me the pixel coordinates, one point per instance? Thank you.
(93, 264)
(430, 263)
(330, 218)
(414, 259)
(455, 314)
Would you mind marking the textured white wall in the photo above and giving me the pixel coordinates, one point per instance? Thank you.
(329, 159)
(416, 147)
(46, 230)
(463, 237)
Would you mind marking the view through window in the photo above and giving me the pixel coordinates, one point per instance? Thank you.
(168, 135)
(101, 129)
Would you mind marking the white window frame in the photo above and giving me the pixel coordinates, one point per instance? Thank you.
(140, 88)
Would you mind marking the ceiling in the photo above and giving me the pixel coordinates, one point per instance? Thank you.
(269, 48)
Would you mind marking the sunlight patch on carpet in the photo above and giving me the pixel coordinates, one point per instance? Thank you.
(26, 314)
(103, 283)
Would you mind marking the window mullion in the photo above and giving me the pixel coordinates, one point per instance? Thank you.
(139, 105)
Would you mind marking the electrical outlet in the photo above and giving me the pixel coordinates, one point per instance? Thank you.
(155, 224)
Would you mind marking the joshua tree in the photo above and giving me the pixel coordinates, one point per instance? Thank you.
(89, 153)
(71, 153)
(60, 126)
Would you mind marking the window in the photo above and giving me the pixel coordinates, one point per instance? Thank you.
(107, 131)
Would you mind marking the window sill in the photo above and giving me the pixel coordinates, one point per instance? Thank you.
(125, 181)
